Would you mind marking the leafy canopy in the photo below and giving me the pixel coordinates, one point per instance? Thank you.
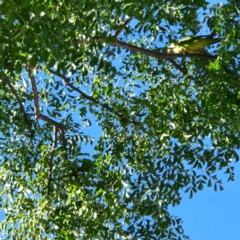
(101, 129)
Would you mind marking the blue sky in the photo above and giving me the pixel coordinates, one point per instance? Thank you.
(212, 215)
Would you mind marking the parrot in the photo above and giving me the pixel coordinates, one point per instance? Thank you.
(195, 44)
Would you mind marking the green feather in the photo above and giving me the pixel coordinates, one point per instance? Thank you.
(194, 44)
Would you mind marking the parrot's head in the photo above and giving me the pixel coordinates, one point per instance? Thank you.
(175, 49)
(171, 48)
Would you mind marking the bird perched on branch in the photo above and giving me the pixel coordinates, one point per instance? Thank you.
(195, 44)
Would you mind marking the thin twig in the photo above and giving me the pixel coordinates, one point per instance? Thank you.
(233, 76)
(51, 161)
(177, 66)
(64, 143)
(212, 34)
(35, 93)
(119, 31)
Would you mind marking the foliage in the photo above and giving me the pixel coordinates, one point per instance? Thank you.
(167, 123)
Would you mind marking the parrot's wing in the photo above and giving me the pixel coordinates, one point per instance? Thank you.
(190, 39)
(193, 39)
(197, 44)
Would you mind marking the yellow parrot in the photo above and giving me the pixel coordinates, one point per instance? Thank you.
(195, 44)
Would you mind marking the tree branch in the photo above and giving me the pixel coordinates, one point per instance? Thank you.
(35, 93)
(148, 52)
(25, 115)
(39, 115)
(91, 99)
(177, 66)
(120, 30)
(51, 161)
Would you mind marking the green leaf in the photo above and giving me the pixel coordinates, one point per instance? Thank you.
(200, 186)
(99, 192)
(209, 183)
(191, 194)
(34, 60)
(18, 67)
